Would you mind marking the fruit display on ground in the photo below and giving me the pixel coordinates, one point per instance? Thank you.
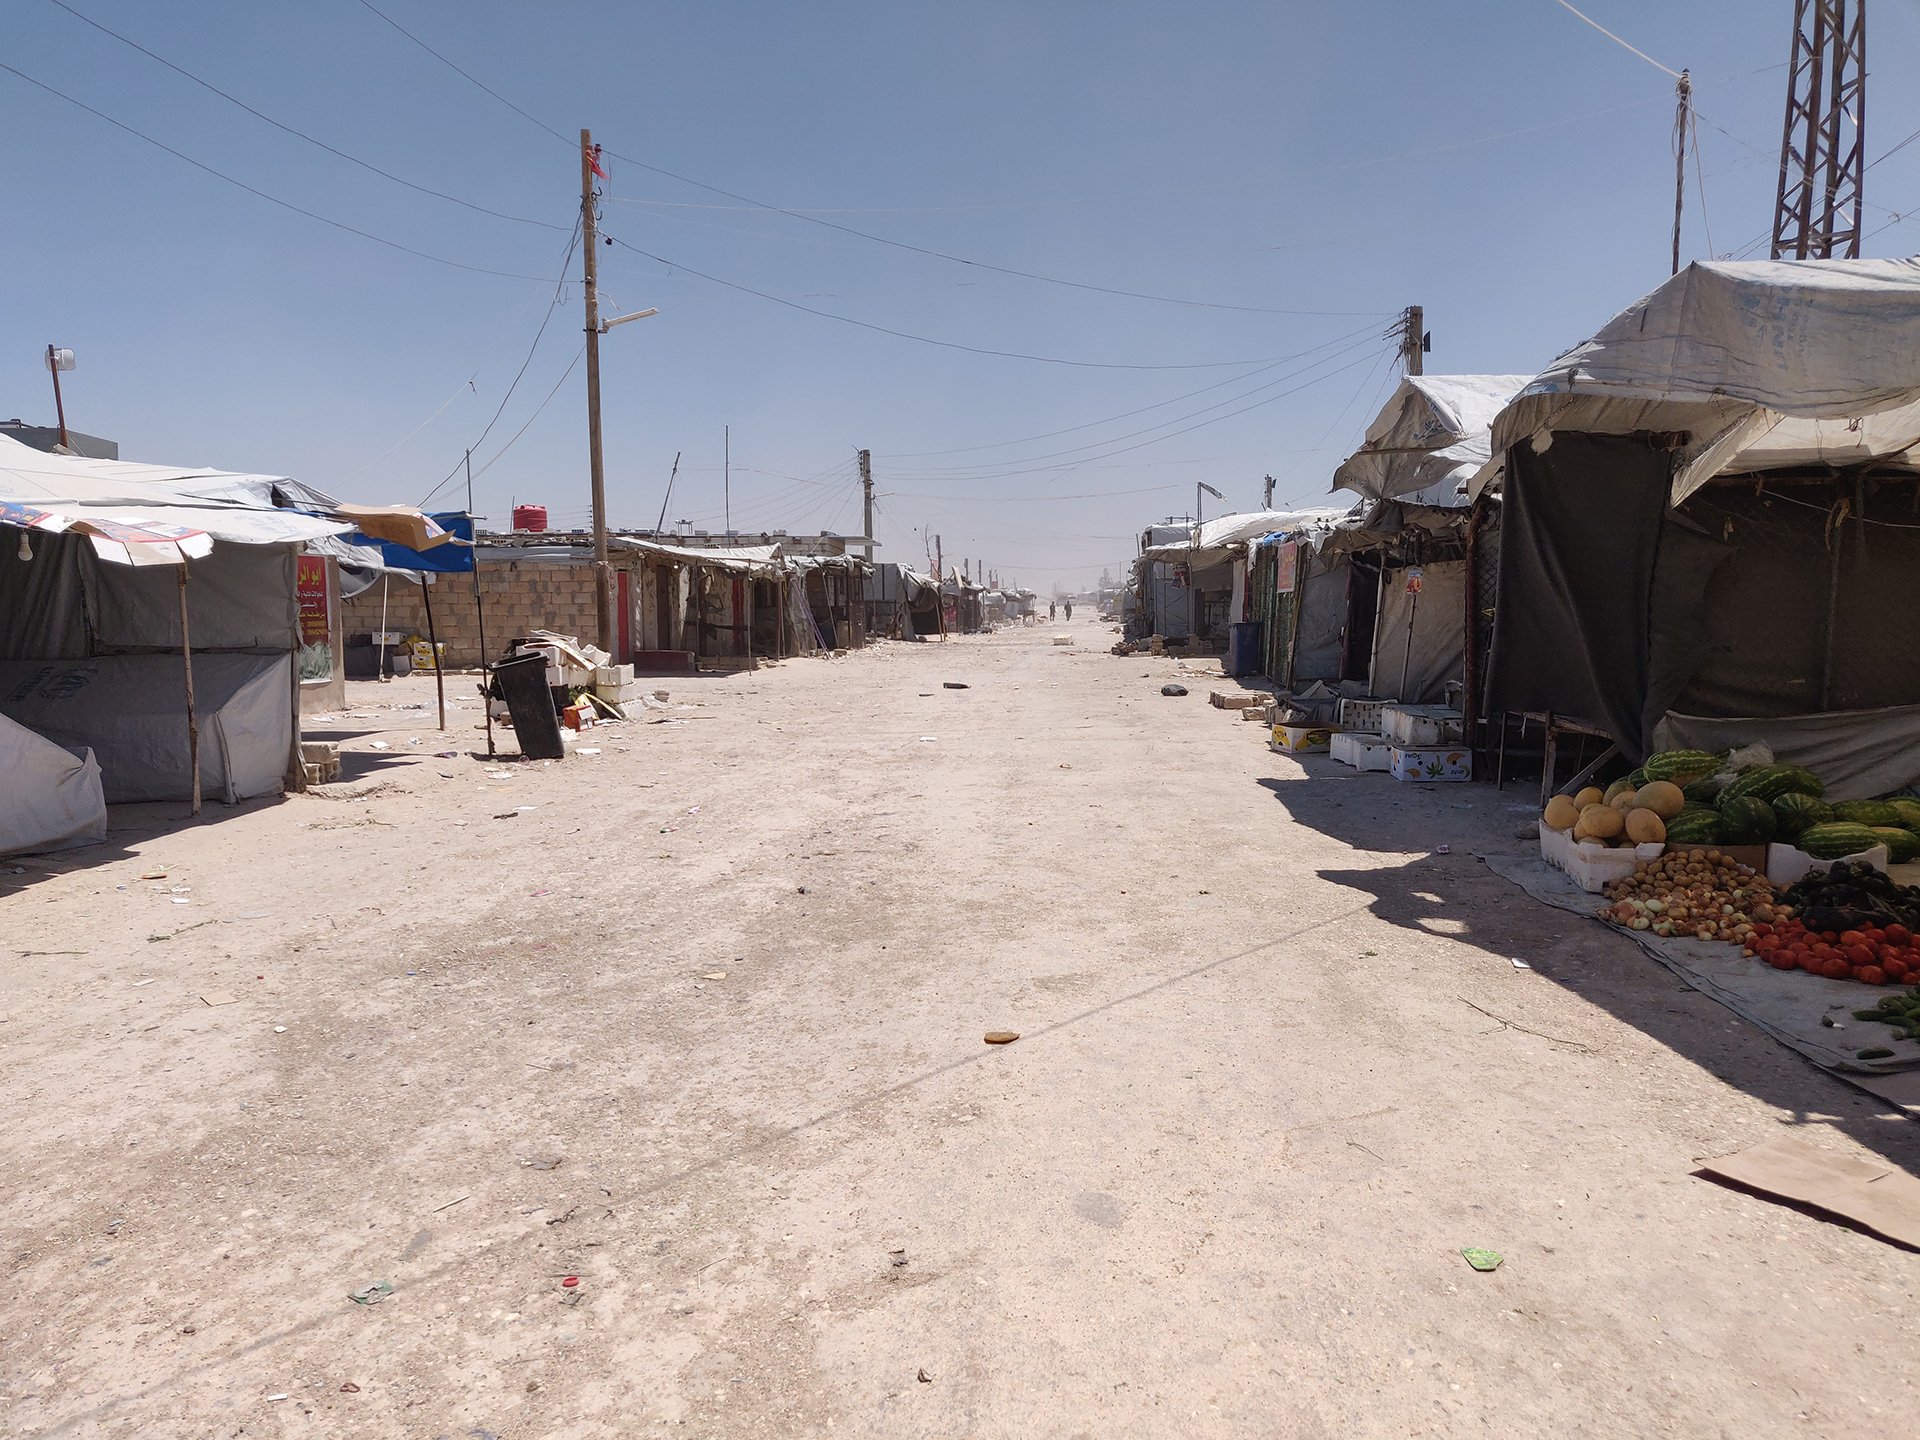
(1849, 923)
(1697, 895)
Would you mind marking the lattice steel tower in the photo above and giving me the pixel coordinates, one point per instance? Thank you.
(1816, 214)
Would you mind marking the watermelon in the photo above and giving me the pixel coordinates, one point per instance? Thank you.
(1794, 812)
(1746, 820)
(1770, 782)
(1704, 791)
(1637, 778)
(1909, 813)
(1902, 845)
(1695, 825)
(1680, 766)
(1836, 839)
(1866, 812)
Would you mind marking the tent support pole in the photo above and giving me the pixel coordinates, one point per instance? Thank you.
(1470, 655)
(381, 673)
(1406, 655)
(480, 614)
(1834, 544)
(433, 644)
(186, 661)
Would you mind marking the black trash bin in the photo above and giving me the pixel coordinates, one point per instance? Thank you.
(522, 683)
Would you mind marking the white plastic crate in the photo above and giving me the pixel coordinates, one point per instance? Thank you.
(1361, 750)
(1363, 715)
(1589, 864)
(1421, 726)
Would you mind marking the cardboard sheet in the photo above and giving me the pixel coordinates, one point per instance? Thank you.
(1871, 1193)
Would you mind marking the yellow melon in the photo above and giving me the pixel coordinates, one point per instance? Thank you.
(1592, 795)
(1602, 822)
(1662, 797)
(1645, 827)
(1561, 813)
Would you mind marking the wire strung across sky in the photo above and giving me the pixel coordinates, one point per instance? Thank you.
(256, 191)
(299, 134)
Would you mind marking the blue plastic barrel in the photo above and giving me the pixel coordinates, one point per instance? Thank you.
(1244, 647)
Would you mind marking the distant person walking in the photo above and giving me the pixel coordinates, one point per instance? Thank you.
(1069, 605)
(1053, 610)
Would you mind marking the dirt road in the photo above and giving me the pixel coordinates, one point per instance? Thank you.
(699, 1022)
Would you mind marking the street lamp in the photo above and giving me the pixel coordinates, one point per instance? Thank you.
(1198, 486)
(58, 360)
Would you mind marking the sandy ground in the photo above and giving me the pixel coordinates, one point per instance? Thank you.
(1276, 1068)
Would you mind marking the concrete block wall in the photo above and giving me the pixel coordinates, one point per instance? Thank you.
(519, 597)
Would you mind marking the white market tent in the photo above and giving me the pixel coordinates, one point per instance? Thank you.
(113, 577)
(1429, 440)
(1764, 364)
(1708, 521)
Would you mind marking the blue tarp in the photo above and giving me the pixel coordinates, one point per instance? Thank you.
(454, 557)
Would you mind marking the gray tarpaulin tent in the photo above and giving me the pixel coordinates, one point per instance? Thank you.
(1709, 522)
(100, 564)
(1384, 597)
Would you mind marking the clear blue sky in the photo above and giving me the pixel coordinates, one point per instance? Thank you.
(1500, 163)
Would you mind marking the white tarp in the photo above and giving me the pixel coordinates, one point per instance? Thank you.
(146, 514)
(131, 711)
(1214, 542)
(1764, 363)
(754, 559)
(52, 798)
(1420, 640)
(1430, 438)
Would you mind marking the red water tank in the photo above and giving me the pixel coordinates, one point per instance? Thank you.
(530, 517)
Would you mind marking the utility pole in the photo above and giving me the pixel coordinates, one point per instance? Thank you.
(939, 591)
(726, 473)
(866, 485)
(1266, 500)
(1683, 116)
(1816, 211)
(1414, 340)
(596, 460)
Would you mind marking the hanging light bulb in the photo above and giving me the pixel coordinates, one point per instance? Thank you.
(25, 552)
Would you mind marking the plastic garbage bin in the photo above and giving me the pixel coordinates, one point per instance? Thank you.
(522, 683)
(1243, 647)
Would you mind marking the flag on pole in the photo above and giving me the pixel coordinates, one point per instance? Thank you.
(594, 161)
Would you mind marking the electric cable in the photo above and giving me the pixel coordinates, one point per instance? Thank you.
(301, 134)
(262, 194)
(922, 339)
(564, 140)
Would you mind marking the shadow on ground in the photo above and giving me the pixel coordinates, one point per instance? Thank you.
(1456, 897)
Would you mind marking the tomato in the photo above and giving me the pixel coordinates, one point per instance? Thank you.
(1859, 954)
(1874, 934)
(1852, 937)
(1813, 965)
(1898, 971)
(1899, 934)
(1835, 969)
(1765, 944)
(1870, 975)
(1762, 928)
(1780, 960)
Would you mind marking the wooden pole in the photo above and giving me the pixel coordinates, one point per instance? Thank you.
(1683, 90)
(186, 661)
(602, 571)
(480, 614)
(433, 645)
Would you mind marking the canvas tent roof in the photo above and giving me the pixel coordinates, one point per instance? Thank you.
(1429, 440)
(149, 514)
(1765, 364)
(753, 559)
(1215, 541)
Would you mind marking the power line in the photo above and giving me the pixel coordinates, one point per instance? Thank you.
(1675, 74)
(262, 194)
(559, 285)
(301, 134)
(979, 264)
(535, 416)
(1128, 414)
(570, 144)
(923, 339)
(961, 473)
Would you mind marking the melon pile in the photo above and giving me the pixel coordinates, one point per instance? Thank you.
(1618, 815)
